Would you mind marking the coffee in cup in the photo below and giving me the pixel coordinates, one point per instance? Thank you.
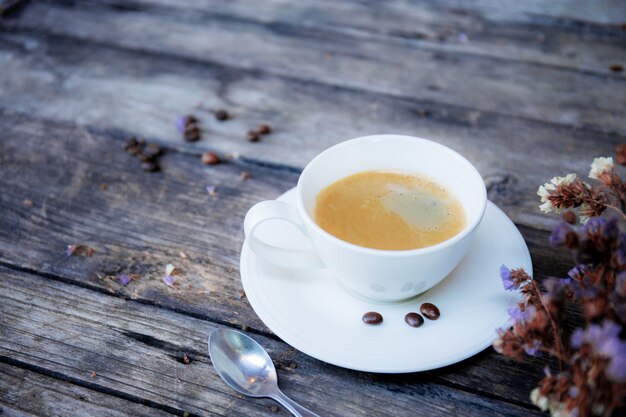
(389, 210)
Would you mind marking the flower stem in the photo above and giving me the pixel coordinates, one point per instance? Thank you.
(555, 330)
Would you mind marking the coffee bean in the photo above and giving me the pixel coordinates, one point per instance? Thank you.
(145, 158)
(129, 143)
(149, 166)
(221, 115)
(264, 129)
(414, 319)
(372, 317)
(253, 136)
(134, 150)
(616, 68)
(430, 311)
(192, 133)
(210, 158)
(152, 150)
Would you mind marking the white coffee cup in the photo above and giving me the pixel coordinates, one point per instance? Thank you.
(379, 275)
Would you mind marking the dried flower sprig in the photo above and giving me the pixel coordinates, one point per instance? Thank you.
(591, 376)
(570, 192)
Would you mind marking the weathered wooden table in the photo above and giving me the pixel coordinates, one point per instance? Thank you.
(525, 89)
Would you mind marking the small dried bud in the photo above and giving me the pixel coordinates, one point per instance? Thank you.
(221, 115)
(569, 216)
(253, 136)
(620, 154)
(616, 68)
(264, 129)
(210, 158)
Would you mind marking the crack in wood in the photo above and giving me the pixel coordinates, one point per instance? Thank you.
(93, 386)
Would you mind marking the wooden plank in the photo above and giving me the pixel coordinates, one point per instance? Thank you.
(473, 82)
(137, 349)
(516, 32)
(598, 11)
(124, 93)
(143, 221)
(23, 392)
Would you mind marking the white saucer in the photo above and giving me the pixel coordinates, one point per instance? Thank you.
(311, 312)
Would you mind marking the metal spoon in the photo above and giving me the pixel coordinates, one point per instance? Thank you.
(246, 367)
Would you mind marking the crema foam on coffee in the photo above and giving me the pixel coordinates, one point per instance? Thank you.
(389, 210)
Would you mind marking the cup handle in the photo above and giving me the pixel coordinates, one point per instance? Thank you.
(290, 258)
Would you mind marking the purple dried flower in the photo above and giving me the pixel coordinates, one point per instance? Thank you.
(578, 272)
(620, 251)
(616, 369)
(559, 234)
(212, 190)
(556, 287)
(70, 250)
(620, 284)
(605, 341)
(181, 123)
(169, 280)
(522, 316)
(507, 281)
(594, 226)
(124, 280)
(577, 338)
(573, 391)
(533, 349)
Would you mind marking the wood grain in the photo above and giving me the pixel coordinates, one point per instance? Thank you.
(515, 31)
(123, 93)
(143, 221)
(27, 393)
(481, 83)
(136, 351)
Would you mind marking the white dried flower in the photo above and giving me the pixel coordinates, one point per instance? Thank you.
(566, 180)
(539, 400)
(169, 269)
(599, 166)
(545, 190)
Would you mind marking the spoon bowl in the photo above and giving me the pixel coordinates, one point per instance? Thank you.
(247, 368)
(242, 363)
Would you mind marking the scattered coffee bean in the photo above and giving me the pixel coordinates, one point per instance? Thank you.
(188, 126)
(264, 129)
(145, 158)
(134, 150)
(222, 115)
(616, 68)
(192, 133)
(430, 311)
(152, 150)
(372, 317)
(414, 319)
(129, 143)
(253, 136)
(210, 158)
(149, 166)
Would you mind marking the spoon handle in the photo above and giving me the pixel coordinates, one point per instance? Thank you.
(295, 408)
